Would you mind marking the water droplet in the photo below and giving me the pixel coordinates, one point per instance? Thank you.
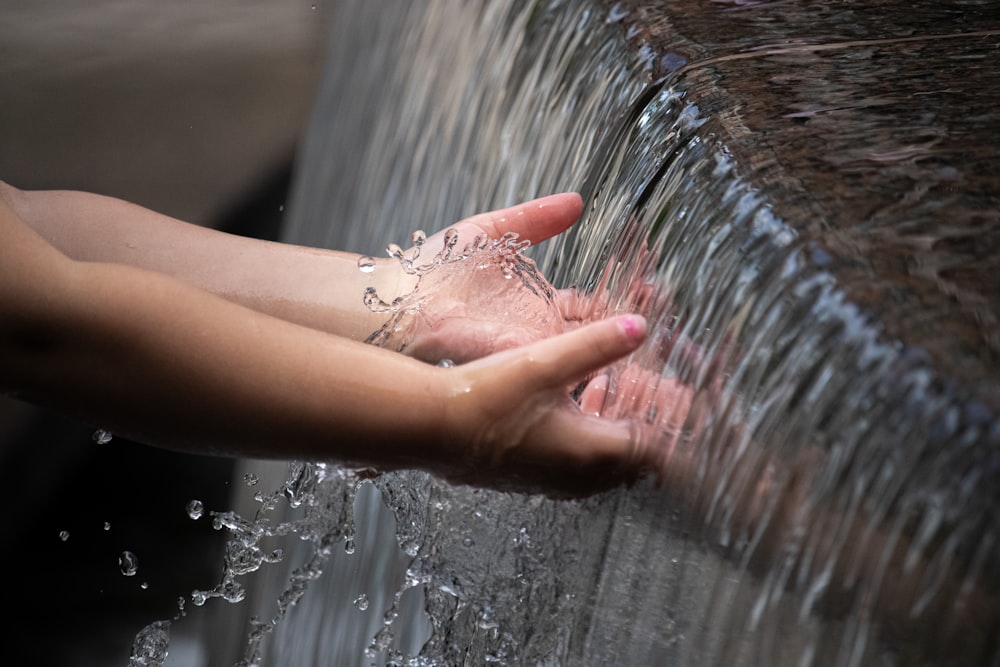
(199, 598)
(195, 509)
(445, 363)
(394, 251)
(382, 640)
(63, 535)
(233, 591)
(144, 585)
(361, 602)
(251, 479)
(128, 563)
(349, 546)
(107, 525)
(150, 645)
(102, 437)
(418, 237)
(366, 264)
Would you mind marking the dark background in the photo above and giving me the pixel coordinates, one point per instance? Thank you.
(193, 109)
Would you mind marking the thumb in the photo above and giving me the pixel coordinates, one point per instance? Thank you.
(565, 359)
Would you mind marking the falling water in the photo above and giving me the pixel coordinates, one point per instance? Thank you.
(831, 501)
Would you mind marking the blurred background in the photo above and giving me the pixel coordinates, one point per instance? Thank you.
(193, 109)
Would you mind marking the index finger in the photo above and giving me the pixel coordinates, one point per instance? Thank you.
(556, 362)
(533, 221)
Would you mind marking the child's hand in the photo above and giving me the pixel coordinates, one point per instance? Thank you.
(493, 299)
(518, 428)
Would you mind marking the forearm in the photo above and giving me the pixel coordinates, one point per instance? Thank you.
(317, 288)
(150, 358)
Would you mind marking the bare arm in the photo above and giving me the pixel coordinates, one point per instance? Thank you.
(153, 358)
(318, 288)
(321, 289)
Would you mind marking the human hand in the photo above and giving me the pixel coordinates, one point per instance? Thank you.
(518, 428)
(477, 294)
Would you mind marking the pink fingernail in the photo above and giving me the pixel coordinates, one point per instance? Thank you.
(635, 327)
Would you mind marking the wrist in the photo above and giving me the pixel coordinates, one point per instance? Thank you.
(383, 284)
(465, 427)
(417, 429)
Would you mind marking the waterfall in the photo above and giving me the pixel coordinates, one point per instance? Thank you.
(833, 498)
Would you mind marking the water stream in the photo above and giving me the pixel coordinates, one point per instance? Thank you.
(829, 501)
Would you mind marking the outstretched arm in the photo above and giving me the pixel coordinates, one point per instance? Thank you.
(158, 360)
(317, 288)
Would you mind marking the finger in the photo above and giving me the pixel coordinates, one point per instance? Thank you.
(594, 394)
(534, 220)
(561, 360)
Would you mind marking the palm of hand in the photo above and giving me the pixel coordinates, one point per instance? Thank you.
(476, 295)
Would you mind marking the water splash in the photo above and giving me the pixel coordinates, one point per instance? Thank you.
(128, 563)
(324, 503)
(195, 509)
(150, 646)
(483, 285)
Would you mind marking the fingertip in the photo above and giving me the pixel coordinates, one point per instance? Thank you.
(634, 327)
(568, 200)
(572, 201)
(557, 212)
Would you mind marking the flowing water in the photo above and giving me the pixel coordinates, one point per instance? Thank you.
(828, 501)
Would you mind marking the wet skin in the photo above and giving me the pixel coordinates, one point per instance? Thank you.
(183, 337)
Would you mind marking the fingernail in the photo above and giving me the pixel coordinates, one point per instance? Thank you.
(634, 326)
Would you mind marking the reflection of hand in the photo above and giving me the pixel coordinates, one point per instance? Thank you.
(467, 309)
(512, 415)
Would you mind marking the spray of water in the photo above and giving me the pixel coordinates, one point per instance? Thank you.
(486, 285)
